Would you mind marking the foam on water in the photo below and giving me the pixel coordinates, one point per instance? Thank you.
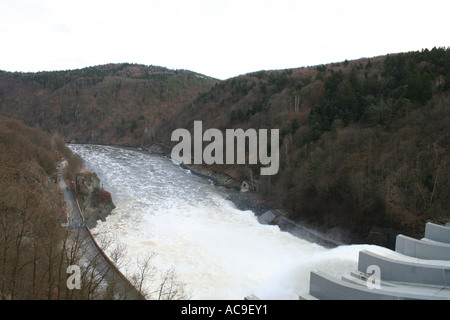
(218, 251)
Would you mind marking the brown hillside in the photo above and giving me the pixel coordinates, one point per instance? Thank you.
(33, 263)
(112, 104)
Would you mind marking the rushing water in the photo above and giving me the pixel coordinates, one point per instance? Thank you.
(216, 250)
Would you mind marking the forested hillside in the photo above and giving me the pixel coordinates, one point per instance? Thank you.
(363, 143)
(37, 245)
(33, 259)
(111, 104)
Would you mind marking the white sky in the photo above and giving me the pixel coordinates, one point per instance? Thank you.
(218, 38)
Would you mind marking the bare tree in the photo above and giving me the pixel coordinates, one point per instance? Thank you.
(145, 273)
(170, 288)
(296, 102)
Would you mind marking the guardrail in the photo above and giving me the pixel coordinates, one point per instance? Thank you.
(135, 294)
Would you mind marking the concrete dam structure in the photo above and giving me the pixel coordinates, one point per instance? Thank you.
(417, 269)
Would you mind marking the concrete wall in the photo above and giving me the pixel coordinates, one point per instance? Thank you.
(402, 271)
(423, 276)
(437, 232)
(325, 287)
(422, 249)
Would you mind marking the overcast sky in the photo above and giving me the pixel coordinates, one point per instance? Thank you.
(218, 38)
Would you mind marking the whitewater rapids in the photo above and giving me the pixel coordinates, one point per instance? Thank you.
(216, 250)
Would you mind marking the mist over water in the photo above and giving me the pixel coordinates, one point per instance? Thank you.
(218, 251)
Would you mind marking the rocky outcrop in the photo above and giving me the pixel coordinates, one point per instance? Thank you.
(218, 179)
(160, 149)
(95, 202)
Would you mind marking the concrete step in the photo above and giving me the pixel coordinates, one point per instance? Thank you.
(437, 232)
(401, 288)
(399, 268)
(422, 249)
(326, 287)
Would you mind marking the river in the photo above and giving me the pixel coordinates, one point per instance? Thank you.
(215, 250)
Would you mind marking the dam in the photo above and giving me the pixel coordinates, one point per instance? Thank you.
(417, 269)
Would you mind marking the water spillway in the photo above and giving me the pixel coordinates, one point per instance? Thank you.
(215, 249)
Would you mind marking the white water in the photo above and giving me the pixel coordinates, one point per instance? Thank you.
(216, 250)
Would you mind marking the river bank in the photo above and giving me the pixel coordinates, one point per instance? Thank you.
(252, 201)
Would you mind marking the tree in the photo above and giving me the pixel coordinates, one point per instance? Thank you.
(419, 87)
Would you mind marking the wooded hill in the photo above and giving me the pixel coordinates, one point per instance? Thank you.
(36, 244)
(363, 143)
(111, 104)
(33, 246)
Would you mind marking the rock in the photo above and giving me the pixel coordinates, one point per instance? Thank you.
(95, 202)
(245, 187)
(160, 149)
(248, 201)
(267, 217)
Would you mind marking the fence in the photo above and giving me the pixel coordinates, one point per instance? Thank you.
(130, 291)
